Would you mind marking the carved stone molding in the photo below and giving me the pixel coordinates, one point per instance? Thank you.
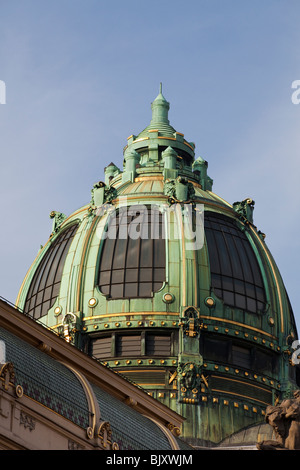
(27, 421)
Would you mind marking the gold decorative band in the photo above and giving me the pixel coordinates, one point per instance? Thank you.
(132, 314)
(275, 278)
(240, 395)
(207, 317)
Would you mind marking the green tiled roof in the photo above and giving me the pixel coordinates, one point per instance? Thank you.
(46, 380)
(52, 384)
(130, 429)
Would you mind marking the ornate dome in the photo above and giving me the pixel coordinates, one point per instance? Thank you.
(165, 281)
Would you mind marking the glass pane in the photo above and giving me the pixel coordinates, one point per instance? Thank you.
(104, 277)
(55, 263)
(117, 276)
(146, 259)
(228, 298)
(241, 356)
(227, 283)
(128, 263)
(55, 291)
(260, 294)
(214, 349)
(224, 258)
(240, 301)
(159, 253)
(219, 293)
(244, 261)
(157, 286)
(131, 290)
(146, 274)
(145, 289)
(47, 293)
(120, 254)
(39, 297)
(159, 275)
(234, 258)
(213, 253)
(38, 274)
(116, 290)
(251, 305)
(216, 281)
(250, 290)
(107, 254)
(239, 286)
(105, 290)
(131, 275)
(48, 273)
(235, 273)
(254, 264)
(133, 253)
(45, 307)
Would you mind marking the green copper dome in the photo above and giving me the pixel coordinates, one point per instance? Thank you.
(175, 288)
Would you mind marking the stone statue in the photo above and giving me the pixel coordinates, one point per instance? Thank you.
(285, 420)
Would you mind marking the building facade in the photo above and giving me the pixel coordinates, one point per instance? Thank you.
(164, 281)
(55, 397)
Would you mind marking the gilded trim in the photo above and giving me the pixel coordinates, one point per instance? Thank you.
(94, 410)
(149, 178)
(207, 317)
(241, 382)
(132, 314)
(166, 432)
(240, 395)
(221, 199)
(275, 277)
(140, 139)
(183, 260)
(146, 196)
(173, 138)
(83, 257)
(75, 213)
(139, 370)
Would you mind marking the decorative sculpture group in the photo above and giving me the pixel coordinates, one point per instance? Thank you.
(285, 420)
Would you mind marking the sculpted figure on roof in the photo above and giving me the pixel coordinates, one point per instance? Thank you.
(285, 420)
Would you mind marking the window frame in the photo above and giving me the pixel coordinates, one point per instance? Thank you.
(236, 275)
(143, 334)
(135, 278)
(50, 265)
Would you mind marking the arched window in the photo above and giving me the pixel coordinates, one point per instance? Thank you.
(44, 287)
(133, 256)
(235, 274)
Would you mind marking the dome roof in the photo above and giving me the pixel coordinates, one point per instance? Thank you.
(128, 299)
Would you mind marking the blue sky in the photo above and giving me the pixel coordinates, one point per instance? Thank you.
(80, 76)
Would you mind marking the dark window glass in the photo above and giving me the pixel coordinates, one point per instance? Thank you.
(235, 274)
(214, 349)
(133, 256)
(241, 356)
(44, 287)
(265, 362)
